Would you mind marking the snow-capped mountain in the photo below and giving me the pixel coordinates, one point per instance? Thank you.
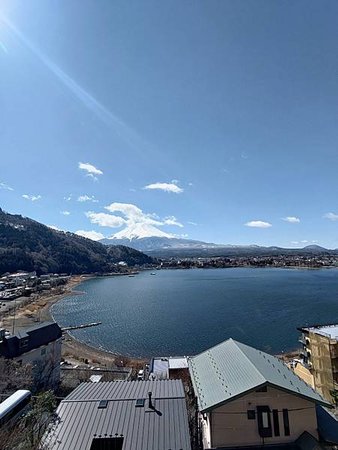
(154, 243)
(140, 231)
(150, 238)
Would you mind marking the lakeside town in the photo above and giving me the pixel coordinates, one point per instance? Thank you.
(196, 390)
(294, 260)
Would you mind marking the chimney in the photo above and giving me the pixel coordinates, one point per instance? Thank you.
(150, 403)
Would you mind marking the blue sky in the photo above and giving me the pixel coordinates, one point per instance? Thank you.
(215, 120)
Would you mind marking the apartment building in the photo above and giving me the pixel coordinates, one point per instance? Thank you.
(320, 357)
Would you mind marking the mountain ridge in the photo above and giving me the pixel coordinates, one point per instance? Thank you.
(167, 247)
(26, 244)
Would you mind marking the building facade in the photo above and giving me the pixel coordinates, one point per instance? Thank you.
(320, 357)
(249, 398)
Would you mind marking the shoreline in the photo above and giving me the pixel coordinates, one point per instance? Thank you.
(73, 349)
(95, 354)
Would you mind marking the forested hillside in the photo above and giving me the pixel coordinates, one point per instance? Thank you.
(29, 245)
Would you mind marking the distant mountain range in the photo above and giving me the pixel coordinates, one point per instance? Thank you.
(29, 245)
(153, 243)
(177, 247)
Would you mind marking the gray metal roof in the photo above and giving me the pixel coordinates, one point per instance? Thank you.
(231, 369)
(80, 419)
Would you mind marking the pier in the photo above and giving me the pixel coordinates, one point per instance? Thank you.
(85, 325)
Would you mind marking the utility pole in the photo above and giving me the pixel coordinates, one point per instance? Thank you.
(13, 327)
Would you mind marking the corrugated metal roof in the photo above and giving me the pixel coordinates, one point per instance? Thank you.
(230, 369)
(80, 419)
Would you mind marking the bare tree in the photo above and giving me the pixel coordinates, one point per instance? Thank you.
(14, 376)
(28, 432)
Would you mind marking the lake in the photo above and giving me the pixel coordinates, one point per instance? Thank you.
(183, 312)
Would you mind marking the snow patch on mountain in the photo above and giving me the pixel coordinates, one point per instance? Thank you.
(140, 231)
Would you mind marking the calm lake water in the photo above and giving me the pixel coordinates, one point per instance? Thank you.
(182, 312)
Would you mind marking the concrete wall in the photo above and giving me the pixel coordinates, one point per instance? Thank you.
(304, 373)
(321, 364)
(229, 425)
(46, 364)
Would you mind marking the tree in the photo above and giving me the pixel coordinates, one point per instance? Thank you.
(28, 432)
(14, 376)
(38, 418)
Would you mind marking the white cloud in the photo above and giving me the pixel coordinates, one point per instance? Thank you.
(304, 241)
(294, 242)
(331, 216)
(167, 187)
(65, 213)
(91, 170)
(193, 223)
(6, 187)
(32, 198)
(171, 220)
(105, 220)
(138, 223)
(130, 211)
(68, 198)
(93, 235)
(258, 224)
(87, 198)
(291, 219)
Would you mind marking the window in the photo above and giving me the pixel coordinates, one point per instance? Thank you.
(107, 443)
(251, 414)
(103, 404)
(264, 421)
(286, 422)
(275, 422)
(140, 402)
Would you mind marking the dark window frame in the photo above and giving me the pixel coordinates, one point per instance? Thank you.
(286, 422)
(275, 417)
(264, 431)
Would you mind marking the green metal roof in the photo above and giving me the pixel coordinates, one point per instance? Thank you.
(231, 369)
